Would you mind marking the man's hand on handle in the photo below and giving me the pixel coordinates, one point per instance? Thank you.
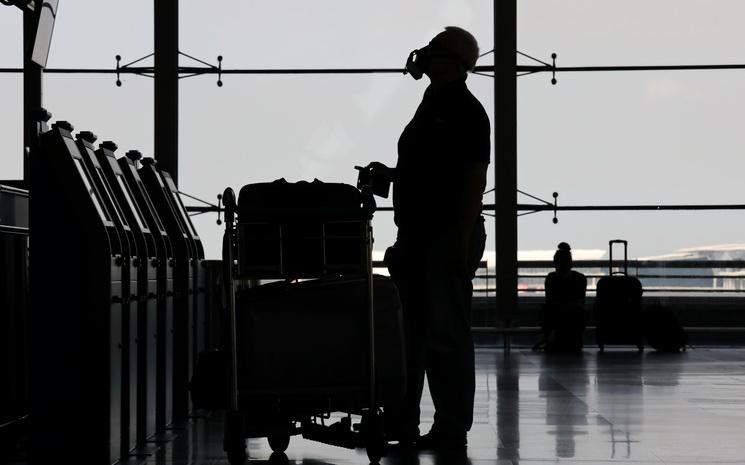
(381, 170)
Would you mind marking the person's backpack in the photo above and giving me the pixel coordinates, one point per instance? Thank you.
(662, 330)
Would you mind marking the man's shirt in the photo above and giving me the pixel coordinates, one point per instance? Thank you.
(450, 129)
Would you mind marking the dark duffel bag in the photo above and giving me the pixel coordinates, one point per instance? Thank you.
(268, 200)
(311, 337)
(662, 330)
(302, 229)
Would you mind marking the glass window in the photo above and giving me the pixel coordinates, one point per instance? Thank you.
(11, 94)
(132, 205)
(117, 207)
(179, 219)
(103, 213)
(156, 217)
(596, 138)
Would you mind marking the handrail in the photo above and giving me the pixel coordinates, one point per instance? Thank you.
(636, 263)
(537, 329)
(653, 280)
(381, 264)
(647, 290)
(640, 276)
(632, 264)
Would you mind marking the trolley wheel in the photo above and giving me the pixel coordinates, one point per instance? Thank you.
(374, 455)
(279, 442)
(374, 435)
(234, 442)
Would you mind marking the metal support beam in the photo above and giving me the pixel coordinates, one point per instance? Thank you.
(166, 85)
(505, 156)
(32, 90)
(521, 69)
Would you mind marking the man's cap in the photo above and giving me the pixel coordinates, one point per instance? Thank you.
(460, 42)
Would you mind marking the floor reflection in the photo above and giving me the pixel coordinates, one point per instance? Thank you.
(508, 407)
(620, 390)
(663, 368)
(535, 409)
(399, 457)
(565, 409)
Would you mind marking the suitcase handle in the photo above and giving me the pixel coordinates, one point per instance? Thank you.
(625, 256)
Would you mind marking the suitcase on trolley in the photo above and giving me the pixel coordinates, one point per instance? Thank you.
(618, 306)
(299, 351)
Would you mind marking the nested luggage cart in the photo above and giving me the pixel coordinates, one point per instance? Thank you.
(299, 351)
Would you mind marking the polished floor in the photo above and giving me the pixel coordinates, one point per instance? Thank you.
(534, 409)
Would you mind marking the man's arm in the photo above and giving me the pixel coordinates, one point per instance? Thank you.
(473, 180)
(474, 183)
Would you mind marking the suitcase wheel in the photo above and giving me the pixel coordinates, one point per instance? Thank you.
(374, 435)
(278, 442)
(278, 458)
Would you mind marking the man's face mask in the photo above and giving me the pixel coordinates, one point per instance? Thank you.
(419, 60)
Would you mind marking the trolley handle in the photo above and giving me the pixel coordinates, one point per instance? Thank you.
(228, 257)
(228, 200)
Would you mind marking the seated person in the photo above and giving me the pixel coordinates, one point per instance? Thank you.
(563, 316)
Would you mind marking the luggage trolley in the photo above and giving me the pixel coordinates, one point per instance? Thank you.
(293, 231)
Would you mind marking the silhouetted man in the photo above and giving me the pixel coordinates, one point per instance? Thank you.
(438, 182)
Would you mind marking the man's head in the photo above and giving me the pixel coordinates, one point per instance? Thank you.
(460, 43)
(452, 52)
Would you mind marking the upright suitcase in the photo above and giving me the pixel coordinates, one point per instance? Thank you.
(618, 306)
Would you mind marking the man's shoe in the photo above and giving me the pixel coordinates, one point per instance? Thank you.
(403, 444)
(402, 440)
(439, 441)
